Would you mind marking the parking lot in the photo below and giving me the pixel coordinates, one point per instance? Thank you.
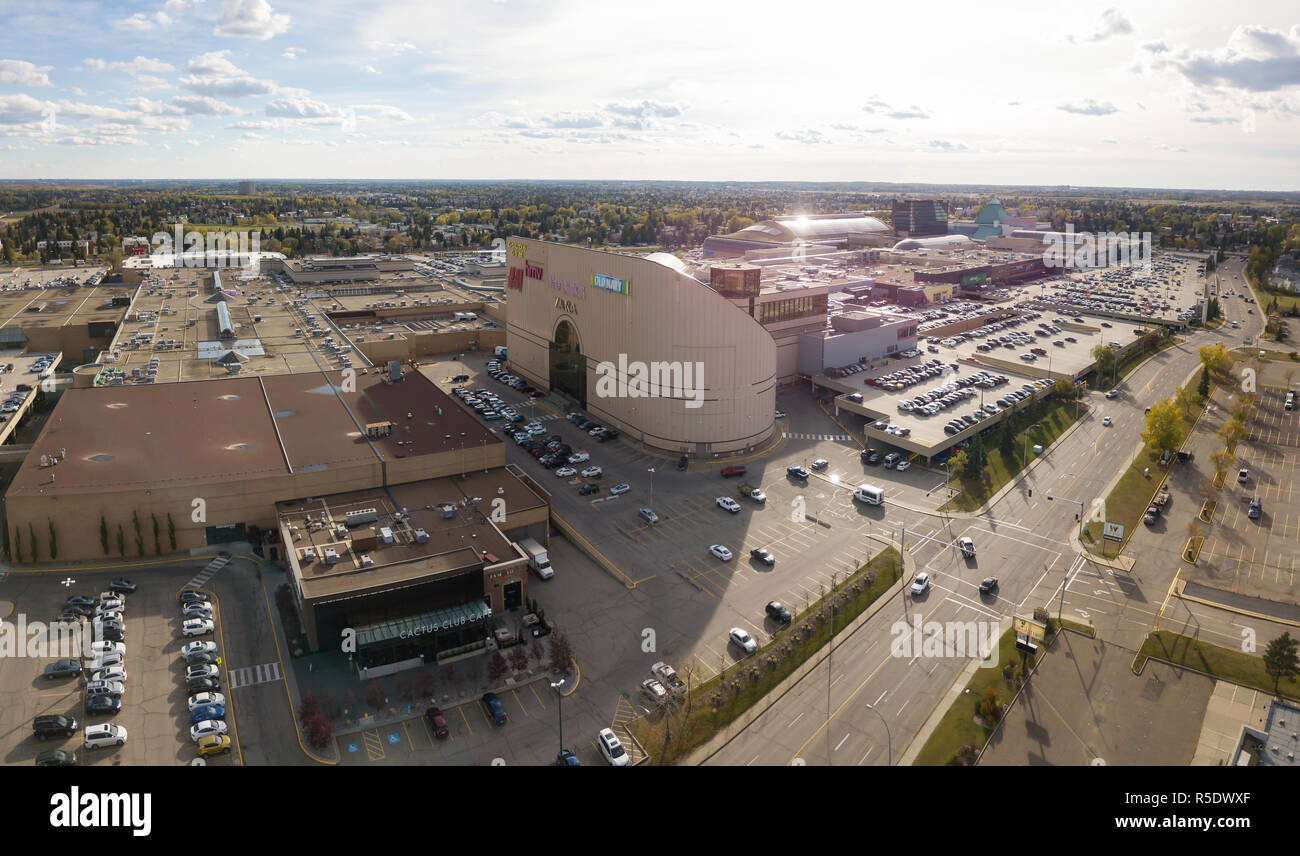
(1258, 555)
(154, 710)
(1168, 292)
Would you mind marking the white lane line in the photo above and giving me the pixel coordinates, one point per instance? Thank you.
(841, 743)
(796, 719)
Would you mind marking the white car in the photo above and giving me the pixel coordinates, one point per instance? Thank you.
(967, 547)
(780, 414)
(579, 457)
(107, 660)
(112, 604)
(1112, 393)
(1105, 421)
(619, 489)
(197, 606)
(113, 688)
(654, 690)
(611, 748)
(197, 701)
(197, 626)
(102, 736)
(206, 727)
(902, 465)
(113, 673)
(721, 552)
(189, 649)
(566, 472)
(728, 503)
(592, 472)
(921, 584)
(97, 648)
(207, 670)
(743, 640)
(1243, 475)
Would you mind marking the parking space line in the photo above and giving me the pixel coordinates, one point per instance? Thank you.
(540, 703)
(461, 710)
(522, 706)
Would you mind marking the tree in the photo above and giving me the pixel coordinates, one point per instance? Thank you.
(1281, 659)
(976, 457)
(1104, 355)
(496, 666)
(319, 731)
(1065, 389)
(309, 708)
(375, 696)
(1232, 432)
(36, 547)
(1186, 399)
(1164, 425)
(103, 533)
(1216, 358)
(171, 531)
(1203, 388)
(54, 543)
(561, 654)
(958, 463)
(157, 540)
(18, 544)
(518, 658)
(121, 541)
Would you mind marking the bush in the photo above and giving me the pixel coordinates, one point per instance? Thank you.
(496, 666)
(375, 696)
(518, 658)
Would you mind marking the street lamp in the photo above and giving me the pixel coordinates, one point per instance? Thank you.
(1051, 498)
(652, 487)
(889, 739)
(1024, 455)
(560, 707)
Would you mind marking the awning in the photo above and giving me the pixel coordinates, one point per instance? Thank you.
(423, 624)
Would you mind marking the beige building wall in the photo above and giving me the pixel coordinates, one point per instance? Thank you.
(665, 317)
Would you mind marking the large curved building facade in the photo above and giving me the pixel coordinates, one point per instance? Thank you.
(640, 345)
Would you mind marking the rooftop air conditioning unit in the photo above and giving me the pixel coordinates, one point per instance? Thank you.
(366, 561)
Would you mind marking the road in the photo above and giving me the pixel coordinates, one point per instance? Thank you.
(1028, 542)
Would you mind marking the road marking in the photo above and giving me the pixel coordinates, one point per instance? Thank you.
(251, 675)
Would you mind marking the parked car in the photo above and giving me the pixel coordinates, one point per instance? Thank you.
(63, 669)
(105, 735)
(191, 649)
(204, 699)
(619, 489)
(207, 727)
(494, 709)
(56, 758)
(797, 472)
(720, 552)
(201, 671)
(102, 704)
(611, 748)
(763, 555)
(207, 711)
(734, 470)
(50, 725)
(210, 745)
(592, 472)
(113, 688)
(988, 584)
(743, 640)
(588, 489)
(197, 626)
(777, 612)
(437, 722)
(728, 504)
(202, 685)
(566, 472)
(648, 515)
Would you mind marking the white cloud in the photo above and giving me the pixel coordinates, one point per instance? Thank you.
(252, 19)
(22, 73)
(214, 64)
(878, 107)
(1112, 23)
(385, 111)
(137, 66)
(21, 108)
(807, 136)
(201, 105)
(1255, 59)
(293, 53)
(1090, 107)
(302, 108)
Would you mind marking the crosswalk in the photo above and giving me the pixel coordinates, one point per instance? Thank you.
(250, 675)
(793, 436)
(206, 574)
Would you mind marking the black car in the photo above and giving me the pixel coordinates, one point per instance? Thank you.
(192, 596)
(56, 758)
(609, 434)
(762, 555)
(460, 378)
(681, 464)
(777, 612)
(111, 633)
(797, 472)
(121, 586)
(871, 457)
(53, 725)
(588, 489)
(204, 658)
(63, 669)
(81, 600)
(96, 704)
(988, 584)
(78, 609)
(202, 685)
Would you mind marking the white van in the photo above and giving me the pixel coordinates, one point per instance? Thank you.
(870, 494)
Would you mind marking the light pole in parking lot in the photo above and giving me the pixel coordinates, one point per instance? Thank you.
(652, 487)
(889, 739)
(559, 706)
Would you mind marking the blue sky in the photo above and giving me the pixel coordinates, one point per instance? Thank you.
(1171, 94)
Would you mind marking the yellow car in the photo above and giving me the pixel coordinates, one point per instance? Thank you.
(214, 744)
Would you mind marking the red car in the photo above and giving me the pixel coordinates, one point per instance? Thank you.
(437, 723)
(727, 472)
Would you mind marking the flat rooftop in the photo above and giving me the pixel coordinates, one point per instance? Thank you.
(467, 540)
(242, 427)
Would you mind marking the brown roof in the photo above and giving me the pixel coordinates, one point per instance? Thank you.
(223, 429)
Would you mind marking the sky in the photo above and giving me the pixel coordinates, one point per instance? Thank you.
(1170, 94)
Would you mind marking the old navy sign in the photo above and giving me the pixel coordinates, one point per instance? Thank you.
(609, 283)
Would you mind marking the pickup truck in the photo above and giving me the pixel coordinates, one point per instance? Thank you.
(1161, 499)
(752, 492)
(667, 675)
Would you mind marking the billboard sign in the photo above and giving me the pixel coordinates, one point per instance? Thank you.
(609, 283)
(1113, 532)
(974, 278)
